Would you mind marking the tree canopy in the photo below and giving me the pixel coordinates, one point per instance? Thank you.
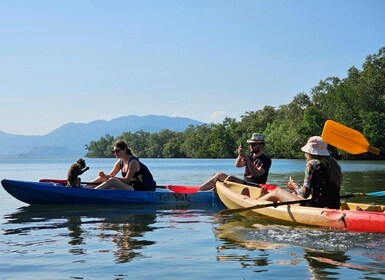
(357, 101)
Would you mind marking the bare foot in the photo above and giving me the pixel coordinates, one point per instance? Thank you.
(246, 192)
(263, 192)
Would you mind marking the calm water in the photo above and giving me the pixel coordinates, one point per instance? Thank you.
(84, 242)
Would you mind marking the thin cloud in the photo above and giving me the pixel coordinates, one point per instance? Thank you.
(217, 116)
(181, 115)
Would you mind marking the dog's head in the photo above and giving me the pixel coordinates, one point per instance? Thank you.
(81, 163)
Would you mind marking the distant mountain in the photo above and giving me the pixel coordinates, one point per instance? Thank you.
(70, 139)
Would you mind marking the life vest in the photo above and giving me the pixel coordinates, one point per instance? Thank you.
(323, 192)
(143, 178)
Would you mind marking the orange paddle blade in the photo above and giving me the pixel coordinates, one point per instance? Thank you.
(346, 139)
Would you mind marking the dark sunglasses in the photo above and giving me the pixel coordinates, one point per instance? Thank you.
(116, 151)
(254, 144)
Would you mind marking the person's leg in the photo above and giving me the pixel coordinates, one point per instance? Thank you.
(234, 179)
(210, 184)
(263, 191)
(95, 183)
(279, 195)
(115, 184)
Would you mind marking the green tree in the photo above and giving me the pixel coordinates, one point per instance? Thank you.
(196, 141)
(101, 148)
(137, 142)
(256, 121)
(357, 101)
(172, 148)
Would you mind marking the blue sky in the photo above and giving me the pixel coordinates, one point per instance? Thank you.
(83, 60)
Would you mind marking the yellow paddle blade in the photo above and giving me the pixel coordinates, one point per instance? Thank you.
(346, 139)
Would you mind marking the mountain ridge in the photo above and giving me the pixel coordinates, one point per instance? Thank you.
(70, 139)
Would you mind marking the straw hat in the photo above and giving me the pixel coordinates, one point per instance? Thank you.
(256, 138)
(316, 146)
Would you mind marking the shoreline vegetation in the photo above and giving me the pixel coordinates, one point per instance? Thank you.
(357, 101)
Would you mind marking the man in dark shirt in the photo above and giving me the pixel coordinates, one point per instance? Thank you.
(256, 164)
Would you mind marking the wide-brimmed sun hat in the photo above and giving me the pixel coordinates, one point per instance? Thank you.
(256, 138)
(316, 146)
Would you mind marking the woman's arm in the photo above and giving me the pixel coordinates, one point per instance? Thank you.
(113, 172)
(133, 167)
(305, 190)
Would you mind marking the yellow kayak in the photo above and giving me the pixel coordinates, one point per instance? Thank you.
(370, 218)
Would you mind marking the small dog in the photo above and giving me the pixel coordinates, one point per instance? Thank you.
(75, 170)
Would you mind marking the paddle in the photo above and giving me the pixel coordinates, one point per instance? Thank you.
(258, 206)
(177, 189)
(347, 139)
(275, 204)
(379, 193)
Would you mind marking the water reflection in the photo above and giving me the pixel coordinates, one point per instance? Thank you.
(256, 243)
(75, 231)
(320, 263)
(123, 226)
(126, 234)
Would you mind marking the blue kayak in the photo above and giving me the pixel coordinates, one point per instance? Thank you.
(55, 193)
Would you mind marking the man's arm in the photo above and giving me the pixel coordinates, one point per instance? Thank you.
(240, 161)
(256, 170)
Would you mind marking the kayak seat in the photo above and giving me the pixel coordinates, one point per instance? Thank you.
(374, 208)
(371, 208)
(344, 206)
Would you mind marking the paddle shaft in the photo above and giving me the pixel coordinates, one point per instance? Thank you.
(258, 206)
(94, 183)
(158, 187)
(64, 182)
(174, 188)
(275, 204)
